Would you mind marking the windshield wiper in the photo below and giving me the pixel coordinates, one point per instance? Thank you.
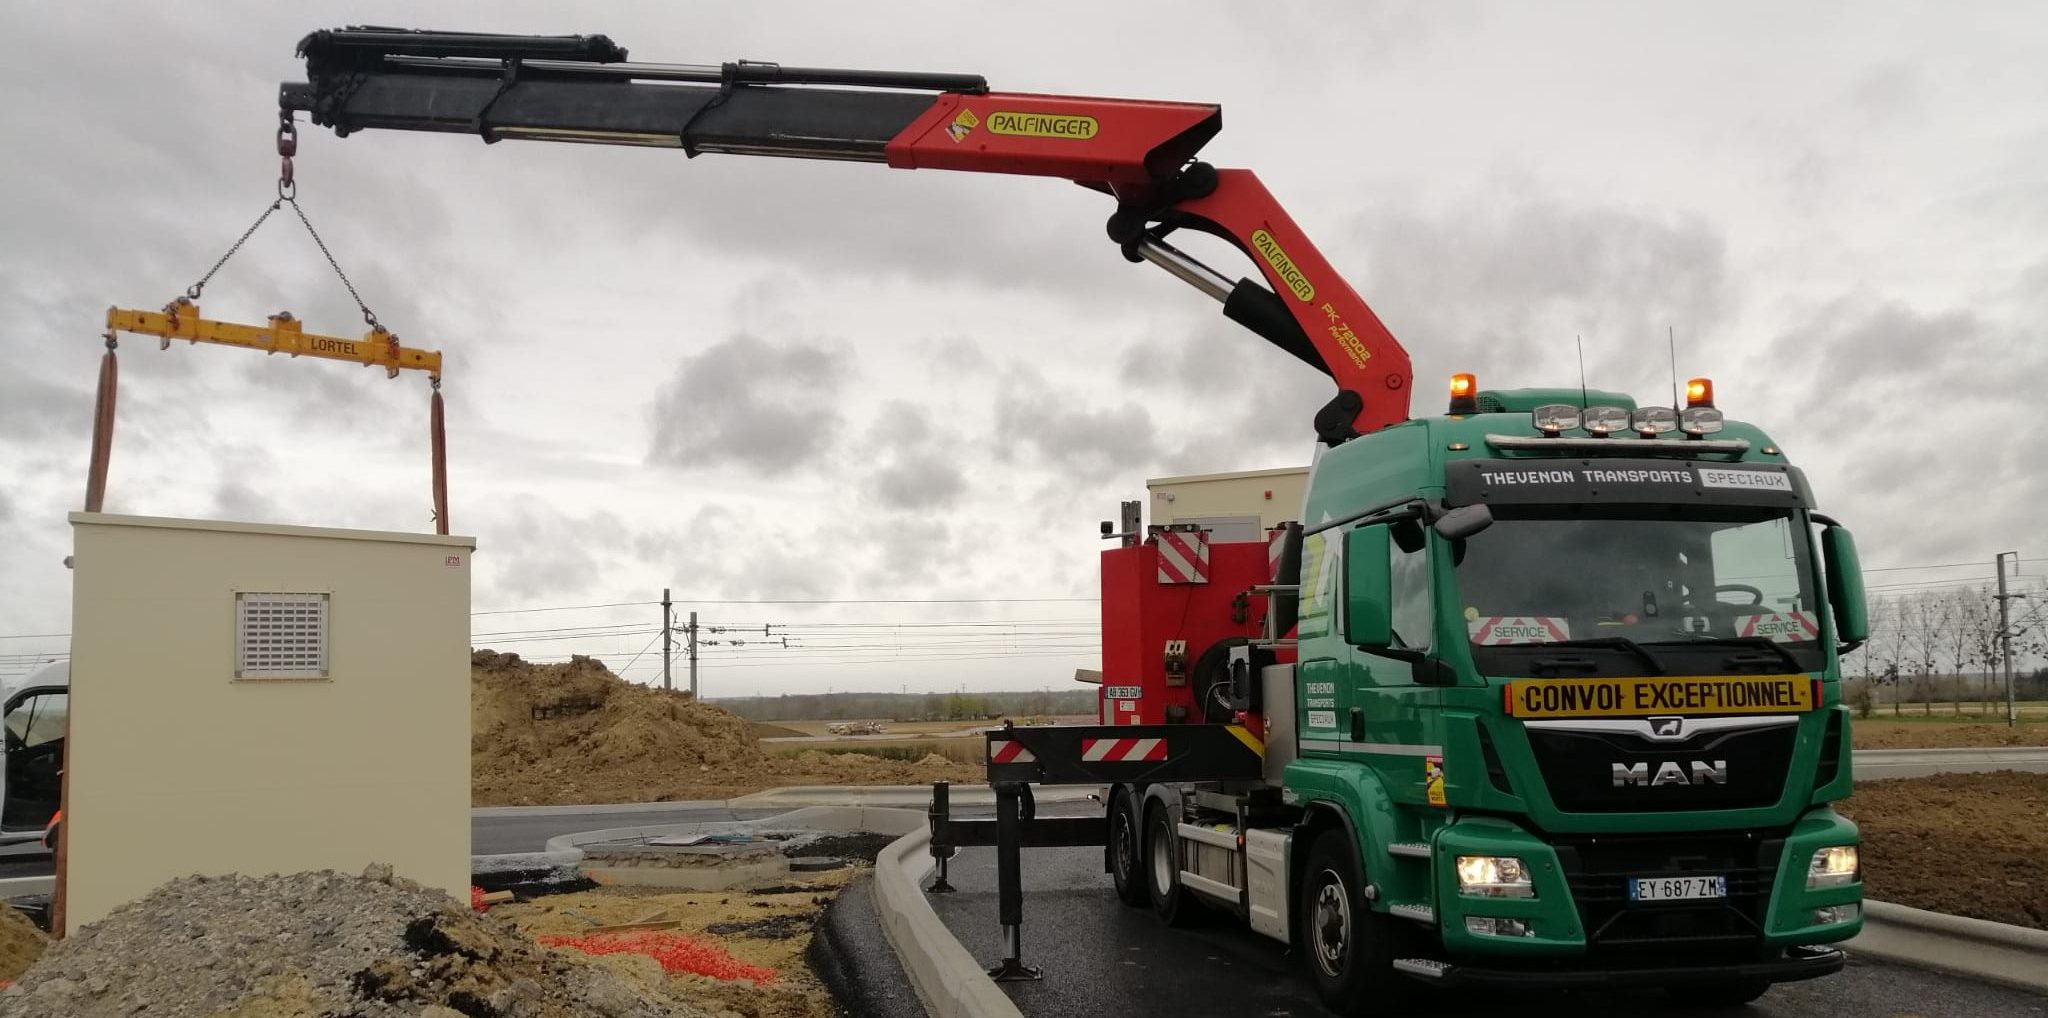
(1777, 653)
(1621, 643)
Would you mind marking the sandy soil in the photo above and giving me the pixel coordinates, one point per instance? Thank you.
(573, 733)
(771, 930)
(1965, 844)
(1882, 733)
(20, 944)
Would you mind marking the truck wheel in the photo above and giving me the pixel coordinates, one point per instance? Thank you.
(1170, 901)
(1728, 994)
(1350, 949)
(1126, 848)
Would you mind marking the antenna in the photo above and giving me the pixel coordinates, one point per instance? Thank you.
(1671, 339)
(1584, 402)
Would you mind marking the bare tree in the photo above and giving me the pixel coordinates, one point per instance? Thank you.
(1970, 612)
(1886, 648)
(1925, 622)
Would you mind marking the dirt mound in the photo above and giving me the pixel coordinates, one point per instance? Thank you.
(315, 944)
(1965, 844)
(572, 733)
(20, 943)
(1880, 733)
(544, 734)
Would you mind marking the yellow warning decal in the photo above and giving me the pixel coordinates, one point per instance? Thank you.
(1283, 266)
(1642, 697)
(962, 125)
(1244, 735)
(1043, 125)
(1433, 779)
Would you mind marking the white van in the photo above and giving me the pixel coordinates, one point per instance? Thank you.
(34, 715)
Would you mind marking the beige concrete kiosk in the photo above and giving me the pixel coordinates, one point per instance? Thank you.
(254, 699)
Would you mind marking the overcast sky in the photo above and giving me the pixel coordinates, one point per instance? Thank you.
(759, 379)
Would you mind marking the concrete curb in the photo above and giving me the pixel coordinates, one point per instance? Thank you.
(948, 979)
(1993, 952)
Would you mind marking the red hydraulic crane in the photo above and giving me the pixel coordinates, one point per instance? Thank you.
(1142, 153)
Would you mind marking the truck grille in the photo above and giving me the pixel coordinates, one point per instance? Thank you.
(1578, 769)
(1598, 869)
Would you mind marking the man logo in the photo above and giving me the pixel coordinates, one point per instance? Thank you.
(1667, 728)
(1670, 773)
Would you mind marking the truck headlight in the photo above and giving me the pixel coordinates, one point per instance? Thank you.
(1833, 867)
(1494, 876)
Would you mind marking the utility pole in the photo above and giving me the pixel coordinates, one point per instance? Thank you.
(2012, 714)
(668, 616)
(693, 655)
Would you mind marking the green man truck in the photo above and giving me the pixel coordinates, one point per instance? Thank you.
(1559, 707)
(1540, 691)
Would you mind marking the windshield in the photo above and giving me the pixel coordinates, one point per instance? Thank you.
(1686, 589)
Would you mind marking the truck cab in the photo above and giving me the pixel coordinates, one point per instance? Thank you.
(1575, 696)
(1560, 706)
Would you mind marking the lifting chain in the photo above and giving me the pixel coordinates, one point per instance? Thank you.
(287, 194)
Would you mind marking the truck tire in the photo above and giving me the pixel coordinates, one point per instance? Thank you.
(1126, 848)
(1349, 948)
(1171, 902)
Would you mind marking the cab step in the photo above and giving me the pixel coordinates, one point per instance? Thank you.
(1423, 914)
(1424, 968)
(1411, 849)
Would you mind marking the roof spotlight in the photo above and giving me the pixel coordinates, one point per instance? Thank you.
(1554, 419)
(1651, 421)
(1601, 421)
(1699, 420)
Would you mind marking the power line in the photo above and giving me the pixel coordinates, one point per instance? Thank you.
(565, 608)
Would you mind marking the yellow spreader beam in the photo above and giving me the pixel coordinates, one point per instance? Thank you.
(283, 334)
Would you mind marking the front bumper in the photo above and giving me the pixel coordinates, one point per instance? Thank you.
(1580, 910)
(1794, 964)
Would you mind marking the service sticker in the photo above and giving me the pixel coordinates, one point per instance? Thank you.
(1433, 779)
(1780, 627)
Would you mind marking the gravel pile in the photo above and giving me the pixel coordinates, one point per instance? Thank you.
(319, 945)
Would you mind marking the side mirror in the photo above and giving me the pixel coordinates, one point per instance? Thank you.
(1463, 522)
(1845, 586)
(1368, 588)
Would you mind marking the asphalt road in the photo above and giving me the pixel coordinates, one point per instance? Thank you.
(1100, 957)
(500, 834)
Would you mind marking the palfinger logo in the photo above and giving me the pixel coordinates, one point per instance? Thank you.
(1283, 266)
(1043, 125)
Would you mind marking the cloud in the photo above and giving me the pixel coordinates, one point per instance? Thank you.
(1059, 430)
(1857, 390)
(1504, 284)
(764, 406)
(912, 467)
(233, 499)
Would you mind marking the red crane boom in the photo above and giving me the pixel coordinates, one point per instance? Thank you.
(1142, 153)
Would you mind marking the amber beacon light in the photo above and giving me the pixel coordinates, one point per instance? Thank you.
(1464, 393)
(1699, 392)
